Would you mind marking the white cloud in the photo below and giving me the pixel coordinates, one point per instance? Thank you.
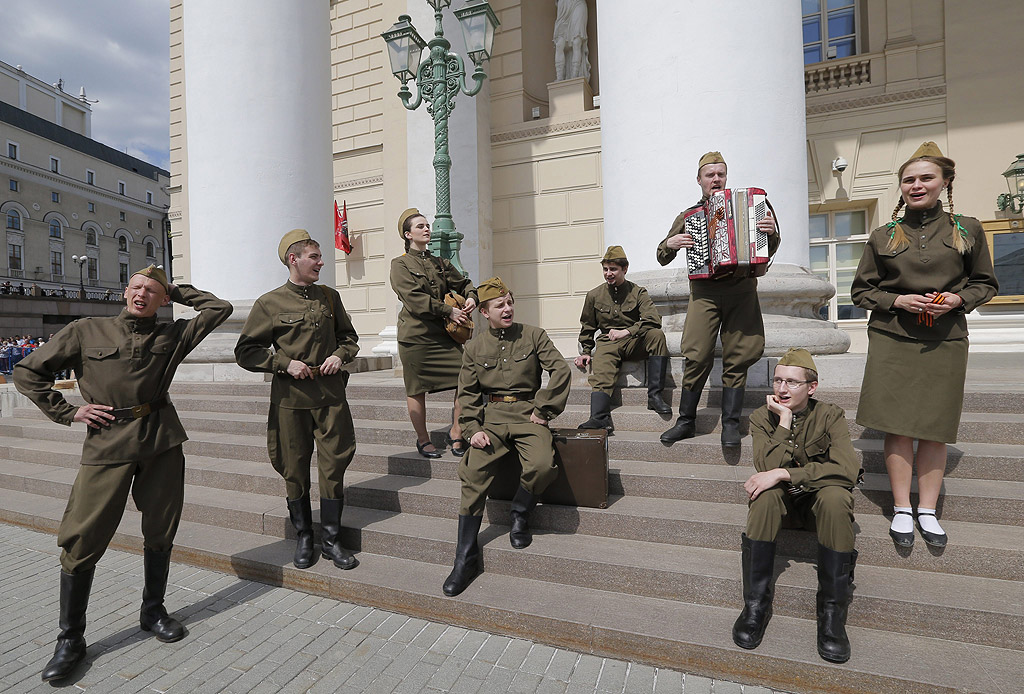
(116, 49)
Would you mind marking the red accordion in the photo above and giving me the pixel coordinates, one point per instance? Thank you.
(726, 240)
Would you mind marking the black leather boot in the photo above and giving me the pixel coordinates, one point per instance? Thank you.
(600, 412)
(301, 514)
(732, 408)
(467, 557)
(153, 616)
(330, 523)
(686, 426)
(74, 599)
(835, 574)
(522, 503)
(656, 369)
(758, 591)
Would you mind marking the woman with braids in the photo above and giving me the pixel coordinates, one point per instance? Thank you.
(431, 359)
(920, 275)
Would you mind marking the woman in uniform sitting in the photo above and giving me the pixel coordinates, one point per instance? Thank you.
(431, 359)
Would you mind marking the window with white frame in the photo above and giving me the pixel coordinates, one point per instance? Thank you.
(54, 164)
(56, 263)
(90, 177)
(120, 188)
(12, 150)
(14, 220)
(122, 244)
(150, 250)
(830, 29)
(94, 272)
(837, 242)
(120, 216)
(14, 185)
(54, 196)
(149, 197)
(123, 272)
(91, 206)
(55, 229)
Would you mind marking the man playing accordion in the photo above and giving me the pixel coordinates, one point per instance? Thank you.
(725, 305)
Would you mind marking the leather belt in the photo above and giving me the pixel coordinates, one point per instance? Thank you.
(518, 397)
(130, 414)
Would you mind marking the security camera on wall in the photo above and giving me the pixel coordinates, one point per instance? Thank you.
(839, 165)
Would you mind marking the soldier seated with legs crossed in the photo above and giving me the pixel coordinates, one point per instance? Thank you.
(630, 328)
(505, 412)
(806, 471)
(125, 366)
(312, 338)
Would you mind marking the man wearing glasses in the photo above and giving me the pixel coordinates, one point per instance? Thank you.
(806, 471)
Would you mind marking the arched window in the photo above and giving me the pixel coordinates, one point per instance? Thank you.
(13, 220)
(55, 231)
(122, 244)
(90, 237)
(150, 250)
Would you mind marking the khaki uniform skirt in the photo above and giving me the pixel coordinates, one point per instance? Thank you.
(912, 387)
(430, 368)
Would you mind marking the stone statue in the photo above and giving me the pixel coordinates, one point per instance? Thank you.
(571, 37)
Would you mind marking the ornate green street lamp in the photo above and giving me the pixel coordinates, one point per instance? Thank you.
(438, 80)
(1015, 183)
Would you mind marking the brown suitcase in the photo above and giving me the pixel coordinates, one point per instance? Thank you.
(582, 459)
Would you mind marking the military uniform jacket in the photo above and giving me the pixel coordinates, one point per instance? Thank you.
(421, 281)
(305, 323)
(929, 263)
(122, 362)
(817, 451)
(626, 307)
(723, 286)
(509, 361)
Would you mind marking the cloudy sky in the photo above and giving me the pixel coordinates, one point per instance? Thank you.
(117, 49)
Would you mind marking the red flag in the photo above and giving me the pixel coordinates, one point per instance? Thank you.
(341, 241)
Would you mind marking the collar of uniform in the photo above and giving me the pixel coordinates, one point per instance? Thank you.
(804, 412)
(922, 217)
(136, 325)
(301, 290)
(419, 254)
(616, 289)
(509, 333)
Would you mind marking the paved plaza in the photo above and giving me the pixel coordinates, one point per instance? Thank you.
(245, 636)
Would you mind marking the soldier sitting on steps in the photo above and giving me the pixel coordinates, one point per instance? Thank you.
(806, 471)
(505, 411)
(630, 328)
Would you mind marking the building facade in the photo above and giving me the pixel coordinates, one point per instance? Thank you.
(76, 212)
(532, 155)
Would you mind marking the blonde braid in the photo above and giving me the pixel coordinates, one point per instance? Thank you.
(961, 241)
(897, 237)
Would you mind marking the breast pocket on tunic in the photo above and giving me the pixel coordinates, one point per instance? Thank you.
(163, 346)
(818, 448)
(102, 362)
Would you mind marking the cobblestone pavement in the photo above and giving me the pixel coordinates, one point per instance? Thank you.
(245, 636)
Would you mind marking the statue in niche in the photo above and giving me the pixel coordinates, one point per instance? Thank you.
(571, 38)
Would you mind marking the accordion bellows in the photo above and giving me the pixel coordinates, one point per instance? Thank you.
(726, 240)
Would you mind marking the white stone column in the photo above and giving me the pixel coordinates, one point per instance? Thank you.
(683, 77)
(258, 96)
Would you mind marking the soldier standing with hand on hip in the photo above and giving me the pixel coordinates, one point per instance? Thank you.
(312, 338)
(125, 366)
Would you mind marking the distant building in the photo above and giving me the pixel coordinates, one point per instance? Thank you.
(63, 194)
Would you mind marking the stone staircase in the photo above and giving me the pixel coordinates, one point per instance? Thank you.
(653, 578)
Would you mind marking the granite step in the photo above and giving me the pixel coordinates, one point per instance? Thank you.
(970, 609)
(980, 501)
(995, 551)
(656, 631)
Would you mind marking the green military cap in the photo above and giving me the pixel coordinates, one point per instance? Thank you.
(491, 289)
(928, 149)
(711, 158)
(155, 273)
(293, 236)
(405, 216)
(796, 356)
(614, 253)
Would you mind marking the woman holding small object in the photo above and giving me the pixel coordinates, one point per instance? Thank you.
(431, 359)
(920, 276)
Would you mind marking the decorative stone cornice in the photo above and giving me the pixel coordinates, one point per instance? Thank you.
(550, 129)
(83, 189)
(878, 100)
(359, 182)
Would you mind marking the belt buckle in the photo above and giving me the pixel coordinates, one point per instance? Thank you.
(140, 411)
(510, 398)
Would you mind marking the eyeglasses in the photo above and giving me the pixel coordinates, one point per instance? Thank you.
(789, 382)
